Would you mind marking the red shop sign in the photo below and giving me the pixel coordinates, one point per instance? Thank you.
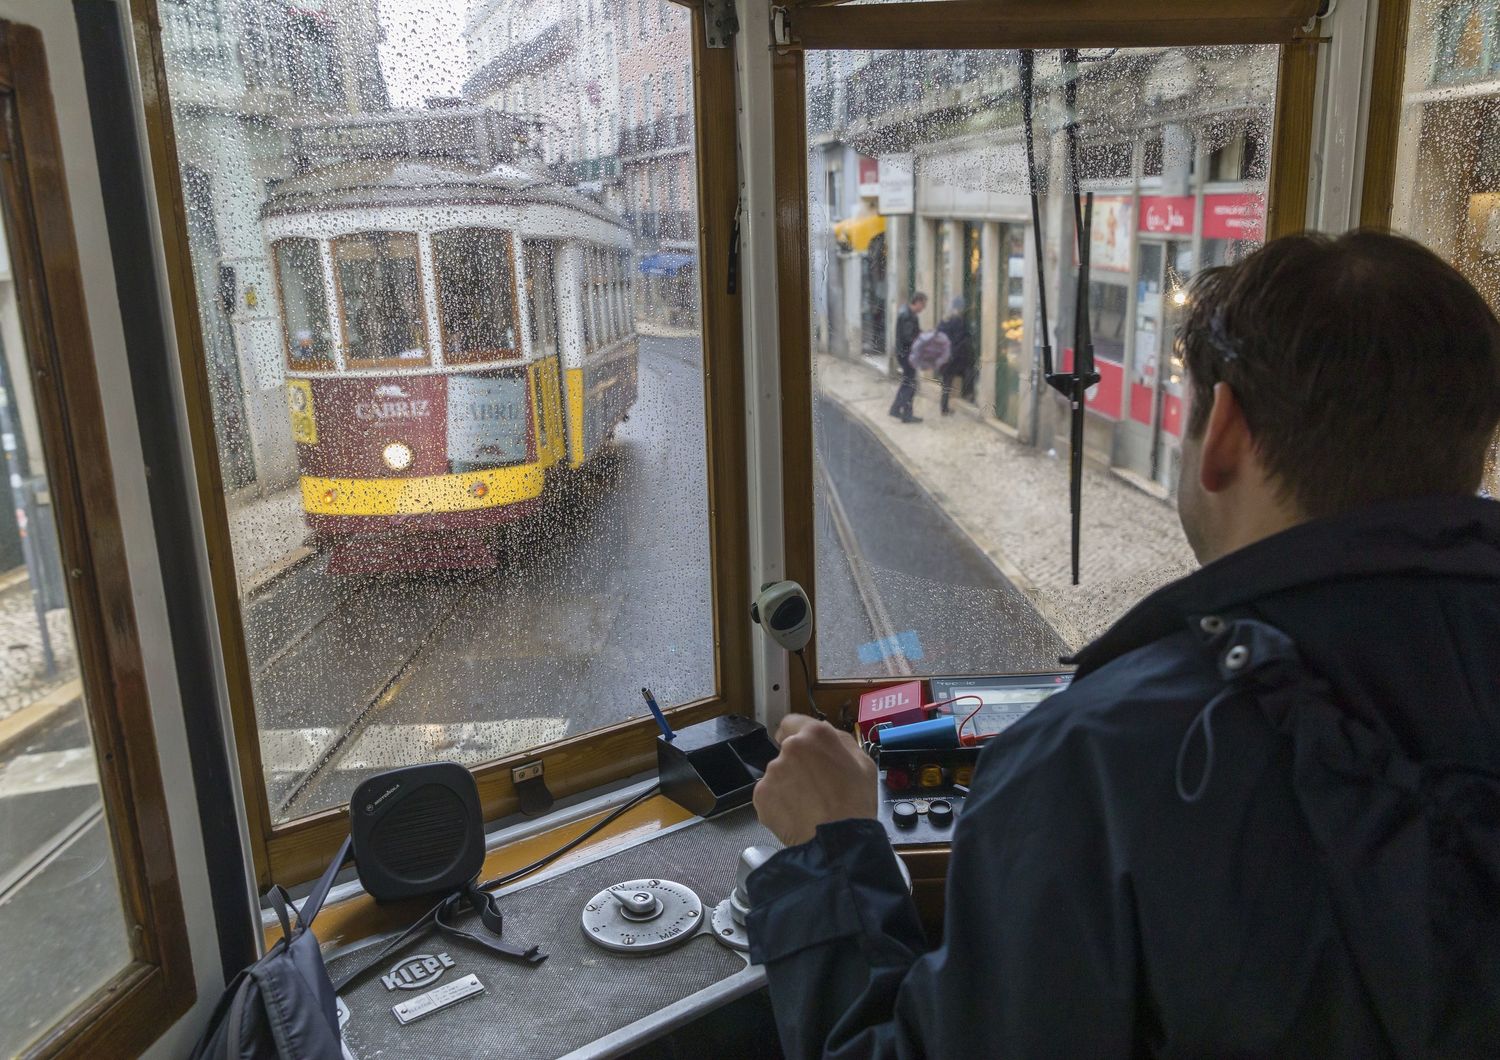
(1237, 216)
(1167, 214)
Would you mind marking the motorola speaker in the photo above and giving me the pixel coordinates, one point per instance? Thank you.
(417, 830)
(783, 610)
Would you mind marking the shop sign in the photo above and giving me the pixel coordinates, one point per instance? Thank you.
(1109, 248)
(1167, 214)
(869, 177)
(1234, 216)
(896, 176)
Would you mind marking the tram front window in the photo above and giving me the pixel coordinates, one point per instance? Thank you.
(458, 393)
(380, 295)
(304, 309)
(476, 278)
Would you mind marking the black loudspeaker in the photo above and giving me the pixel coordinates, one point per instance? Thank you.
(417, 831)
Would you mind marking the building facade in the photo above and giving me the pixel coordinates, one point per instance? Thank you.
(247, 74)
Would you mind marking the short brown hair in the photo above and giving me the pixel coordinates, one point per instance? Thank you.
(1368, 368)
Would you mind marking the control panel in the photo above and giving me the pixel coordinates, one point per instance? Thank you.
(928, 749)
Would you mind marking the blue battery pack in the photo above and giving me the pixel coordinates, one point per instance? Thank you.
(936, 733)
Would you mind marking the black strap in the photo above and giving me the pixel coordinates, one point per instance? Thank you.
(488, 908)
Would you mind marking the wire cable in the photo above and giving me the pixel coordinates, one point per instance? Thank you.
(587, 834)
(812, 703)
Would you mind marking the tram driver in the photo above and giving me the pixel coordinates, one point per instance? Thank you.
(1265, 818)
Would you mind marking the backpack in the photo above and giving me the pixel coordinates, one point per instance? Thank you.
(931, 349)
(282, 1007)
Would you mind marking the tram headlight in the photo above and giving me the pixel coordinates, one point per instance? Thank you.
(397, 456)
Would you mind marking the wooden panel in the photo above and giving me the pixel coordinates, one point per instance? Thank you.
(1291, 138)
(1383, 136)
(360, 917)
(158, 986)
(1049, 24)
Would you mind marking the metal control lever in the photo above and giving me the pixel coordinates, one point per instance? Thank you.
(636, 905)
(728, 918)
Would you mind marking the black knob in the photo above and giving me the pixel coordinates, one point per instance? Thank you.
(940, 813)
(904, 814)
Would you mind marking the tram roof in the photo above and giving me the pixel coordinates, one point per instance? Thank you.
(407, 182)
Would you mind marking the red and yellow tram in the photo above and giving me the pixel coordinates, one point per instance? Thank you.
(453, 336)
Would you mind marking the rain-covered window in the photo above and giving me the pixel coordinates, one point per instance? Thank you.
(942, 522)
(1447, 188)
(480, 526)
(299, 284)
(476, 294)
(379, 283)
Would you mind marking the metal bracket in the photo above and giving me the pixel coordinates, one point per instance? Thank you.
(531, 789)
(720, 23)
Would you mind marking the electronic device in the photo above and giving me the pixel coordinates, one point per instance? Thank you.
(893, 705)
(996, 702)
(417, 831)
(783, 610)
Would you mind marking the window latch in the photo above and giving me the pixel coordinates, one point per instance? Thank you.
(531, 789)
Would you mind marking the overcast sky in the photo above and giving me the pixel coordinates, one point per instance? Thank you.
(423, 53)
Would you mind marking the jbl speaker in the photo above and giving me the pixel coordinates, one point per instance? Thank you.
(417, 830)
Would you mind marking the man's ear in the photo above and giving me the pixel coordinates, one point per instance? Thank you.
(1227, 445)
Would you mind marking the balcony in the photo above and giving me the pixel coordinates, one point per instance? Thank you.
(584, 170)
(659, 225)
(670, 132)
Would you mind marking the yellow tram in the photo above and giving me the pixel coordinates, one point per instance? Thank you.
(455, 331)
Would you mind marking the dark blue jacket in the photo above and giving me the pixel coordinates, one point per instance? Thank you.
(1264, 821)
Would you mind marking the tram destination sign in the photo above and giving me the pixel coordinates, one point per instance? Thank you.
(487, 419)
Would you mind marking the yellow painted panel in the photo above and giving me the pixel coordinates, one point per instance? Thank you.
(299, 404)
(575, 416)
(424, 495)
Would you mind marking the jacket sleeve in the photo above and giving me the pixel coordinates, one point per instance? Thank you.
(1039, 954)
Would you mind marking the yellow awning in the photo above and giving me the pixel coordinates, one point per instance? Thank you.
(855, 233)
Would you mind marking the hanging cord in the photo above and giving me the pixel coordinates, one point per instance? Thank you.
(1205, 722)
(812, 703)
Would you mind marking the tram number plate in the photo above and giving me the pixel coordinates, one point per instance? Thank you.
(487, 419)
(438, 998)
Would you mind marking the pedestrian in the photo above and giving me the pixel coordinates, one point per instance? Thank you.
(956, 327)
(908, 326)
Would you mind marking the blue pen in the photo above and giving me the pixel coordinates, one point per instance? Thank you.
(661, 719)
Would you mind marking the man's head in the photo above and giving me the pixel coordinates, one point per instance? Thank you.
(1327, 375)
(918, 302)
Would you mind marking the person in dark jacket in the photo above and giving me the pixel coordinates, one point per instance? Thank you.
(956, 327)
(908, 327)
(1264, 820)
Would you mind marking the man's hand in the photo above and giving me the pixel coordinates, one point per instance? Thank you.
(820, 776)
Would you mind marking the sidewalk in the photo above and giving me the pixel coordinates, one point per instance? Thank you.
(1012, 502)
(24, 681)
(268, 535)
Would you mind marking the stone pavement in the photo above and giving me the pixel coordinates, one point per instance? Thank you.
(1012, 502)
(24, 680)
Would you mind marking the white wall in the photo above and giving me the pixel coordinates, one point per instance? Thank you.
(55, 21)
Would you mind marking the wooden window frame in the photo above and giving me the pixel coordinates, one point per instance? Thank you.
(497, 355)
(330, 363)
(976, 24)
(298, 850)
(1383, 133)
(382, 363)
(157, 985)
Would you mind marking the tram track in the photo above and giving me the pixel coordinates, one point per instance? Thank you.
(387, 692)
